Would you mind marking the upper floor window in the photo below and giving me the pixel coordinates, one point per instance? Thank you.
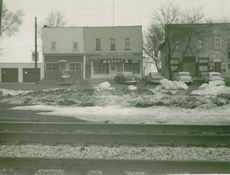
(98, 44)
(177, 44)
(75, 45)
(53, 46)
(217, 43)
(112, 44)
(200, 43)
(127, 43)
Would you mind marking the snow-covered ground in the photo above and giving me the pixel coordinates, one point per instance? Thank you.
(167, 104)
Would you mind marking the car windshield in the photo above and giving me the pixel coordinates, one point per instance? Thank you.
(216, 75)
(184, 74)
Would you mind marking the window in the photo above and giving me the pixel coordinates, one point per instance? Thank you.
(203, 64)
(75, 46)
(100, 68)
(98, 44)
(229, 43)
(127, 43)
(112, 44)
(75, 66)
(217, 43)
(53, 46)
(203, 60)
(51, 66)
(177, 44)
(203, 68)
(200, 43)
(132, 67)
(174, 63)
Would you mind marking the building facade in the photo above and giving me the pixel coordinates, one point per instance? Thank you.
(92, 52)
(209, 50)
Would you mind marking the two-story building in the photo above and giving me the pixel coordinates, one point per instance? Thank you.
(208, 49)
(92, 52)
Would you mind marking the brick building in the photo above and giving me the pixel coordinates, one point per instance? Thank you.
(92, 52)
(209, 49)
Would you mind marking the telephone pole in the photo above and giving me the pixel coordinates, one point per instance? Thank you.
(36, 71)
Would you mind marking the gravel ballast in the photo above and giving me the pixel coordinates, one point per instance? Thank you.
(121, 152)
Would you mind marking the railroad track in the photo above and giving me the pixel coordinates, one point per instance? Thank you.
(54, 133)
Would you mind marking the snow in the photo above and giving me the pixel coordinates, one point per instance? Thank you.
(167, 103)
(5, 92)
(213, 88)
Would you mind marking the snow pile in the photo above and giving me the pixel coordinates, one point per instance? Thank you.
(213, 88)
(104, 86)
(132, 88)
(5, 92)
(170, 87)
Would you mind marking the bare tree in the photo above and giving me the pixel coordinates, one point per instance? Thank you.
(10, 22)
(55, 19)
(153, 39)
(178, 25)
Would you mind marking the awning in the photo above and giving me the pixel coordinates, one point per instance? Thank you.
(117, 57)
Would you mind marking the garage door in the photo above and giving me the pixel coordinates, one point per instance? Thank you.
(29, 74)
(9, 75)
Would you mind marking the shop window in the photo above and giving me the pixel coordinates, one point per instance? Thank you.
(203, 68)
(98, 44)
(112, 44)
(51, 66)
(75, 66)
(200, 43)
(132, 67)
(127, 43)
(203, 65)
(100, 68)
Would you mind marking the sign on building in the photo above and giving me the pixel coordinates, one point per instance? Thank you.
(33, 56)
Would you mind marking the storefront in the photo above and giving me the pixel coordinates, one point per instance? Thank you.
(107, 66)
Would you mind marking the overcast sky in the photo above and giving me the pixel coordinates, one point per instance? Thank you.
(90, 13)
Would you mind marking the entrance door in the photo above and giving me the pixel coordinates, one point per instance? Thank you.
(218, 67)
(9, 75)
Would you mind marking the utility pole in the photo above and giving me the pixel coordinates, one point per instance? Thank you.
(0, 17)
(36, 72)
(113, 12)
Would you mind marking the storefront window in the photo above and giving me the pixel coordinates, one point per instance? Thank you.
(132, 67)
(100, 68)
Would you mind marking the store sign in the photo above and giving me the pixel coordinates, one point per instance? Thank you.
(113, 61)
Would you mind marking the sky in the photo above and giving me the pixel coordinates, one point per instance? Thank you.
(82, 13)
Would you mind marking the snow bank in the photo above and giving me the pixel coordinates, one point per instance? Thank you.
(5, 92)
(213, 88)
(132, 88)
(172, 87)
(104, 86)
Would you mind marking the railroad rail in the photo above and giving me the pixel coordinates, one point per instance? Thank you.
(108, 134)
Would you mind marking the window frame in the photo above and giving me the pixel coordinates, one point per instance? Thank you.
(98, 48)
(51, 66)
(75, 66)
(215, 43)
(176, 65)
(128, 44)
(99, 66)
(200, 44)
(53, 45)
(110, 44)
(177, 44)
(75, 44)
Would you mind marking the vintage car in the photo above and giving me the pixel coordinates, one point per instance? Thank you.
(125, 78)
(65, 78)
(212, 76)
(153, 77)
(183, 76)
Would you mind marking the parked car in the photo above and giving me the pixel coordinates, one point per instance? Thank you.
(153, 77)
(125, 78)
(183, 76)
(65, 78)
(212, 76)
